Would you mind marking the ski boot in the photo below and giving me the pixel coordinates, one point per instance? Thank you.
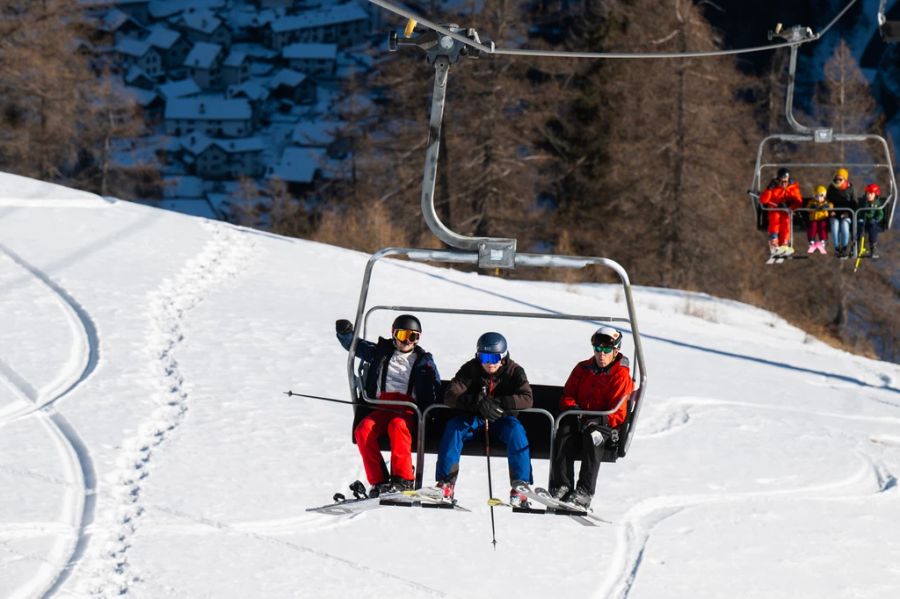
(516, 498)
(579, 498)
(559, 492)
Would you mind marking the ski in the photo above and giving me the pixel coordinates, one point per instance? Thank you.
(425, 497)
(779, 258)
(345, 507)
(362, 502)
(555, 506)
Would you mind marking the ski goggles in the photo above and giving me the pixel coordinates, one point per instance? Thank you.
(405, 335)
(604, 349)
(489, 358)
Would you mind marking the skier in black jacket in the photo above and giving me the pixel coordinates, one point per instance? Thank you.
(399, 370)
(491, 387)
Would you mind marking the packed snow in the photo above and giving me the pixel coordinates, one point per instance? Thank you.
(147, 448)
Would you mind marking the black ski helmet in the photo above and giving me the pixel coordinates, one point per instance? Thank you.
(783, 173)
(408, 322)
(607, 336)
(491, 343)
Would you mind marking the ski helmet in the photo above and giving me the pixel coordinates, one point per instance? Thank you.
(842, 173)
(820, 190)
(783, 173)
(492, 343)
(607, 336)
(408, 322)
(873, 188)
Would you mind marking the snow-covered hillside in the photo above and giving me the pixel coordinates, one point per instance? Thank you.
(147, 450)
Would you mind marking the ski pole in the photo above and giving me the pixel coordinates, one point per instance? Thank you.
(344, 401)
(487, 454)
(862, 248)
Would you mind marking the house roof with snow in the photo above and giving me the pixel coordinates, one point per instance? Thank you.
(286, 77)
(198, 143)
(132, 47)
(314, 133)
(144, 97)
(203, 55)
(204, 109)
(203, 20)
(311, 51)
(162, 37)
(163, 9)
(298, 165)
(179, 89)
(255, 51)
(235, 59)
(261, 69)
(114, 19)
(332, 15)
(249, 89)
(135, 73)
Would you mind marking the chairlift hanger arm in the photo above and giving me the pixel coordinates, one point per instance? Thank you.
(492, 49)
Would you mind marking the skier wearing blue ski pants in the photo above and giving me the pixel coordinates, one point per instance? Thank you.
(491, 387)
(507, 430)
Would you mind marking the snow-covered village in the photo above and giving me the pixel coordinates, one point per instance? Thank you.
(233, 89)
(314, 298)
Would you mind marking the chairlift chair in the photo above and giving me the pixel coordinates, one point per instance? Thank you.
(803, 135)
(890, 29)
(542, 421)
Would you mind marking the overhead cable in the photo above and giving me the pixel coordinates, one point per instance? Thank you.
(492, 49)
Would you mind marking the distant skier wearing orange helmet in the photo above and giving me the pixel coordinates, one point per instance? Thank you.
(842, 196)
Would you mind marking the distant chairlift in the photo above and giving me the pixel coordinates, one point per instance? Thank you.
(890, 30)
(542, 421)
(806, 135)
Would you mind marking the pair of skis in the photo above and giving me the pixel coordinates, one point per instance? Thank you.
(778, 258)
(361, 501)
(554, 506)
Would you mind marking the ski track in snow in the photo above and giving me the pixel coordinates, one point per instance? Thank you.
(253, 530)
(79, 503)
(221, 259)
(635, 530)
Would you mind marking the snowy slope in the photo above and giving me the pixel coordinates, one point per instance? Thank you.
(146, 448)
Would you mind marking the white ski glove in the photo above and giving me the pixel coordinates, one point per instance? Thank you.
(597, 437)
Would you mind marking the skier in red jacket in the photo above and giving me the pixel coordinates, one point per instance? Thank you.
(599, 383)
(782, 192)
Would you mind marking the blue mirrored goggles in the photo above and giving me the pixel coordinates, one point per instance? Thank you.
(489, 358)
(603, 349)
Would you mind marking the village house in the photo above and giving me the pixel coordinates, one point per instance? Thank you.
(300, 168)
(342, 24)
(235, 68)
(120, 24)
(293, 86)
(136, 9)
(215, 117)
(224, 158)
(202, 25)
(204, 65)
(318, 60)
(178, 89)
(171, 45)
(139, 53)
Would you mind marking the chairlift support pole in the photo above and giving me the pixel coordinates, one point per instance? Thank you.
(442, 51)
